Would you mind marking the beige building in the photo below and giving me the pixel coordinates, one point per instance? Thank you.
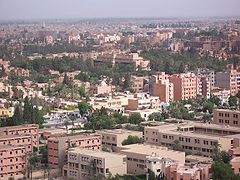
(143, 101)
(84, 164)
(226, 117)
(137, 155)
(137, 83)
(194, 138)
(114, 138)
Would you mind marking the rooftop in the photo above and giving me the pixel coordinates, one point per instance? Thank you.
(96, 153)
(148, 150)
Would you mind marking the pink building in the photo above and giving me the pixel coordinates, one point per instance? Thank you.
(226, 117)
(161, 87)
(178, 172)
(103, 88)
(12, 160)
(21, 72)
(235, 161)
(59, 145)
(185, 86)
(30, 129)
(17, 140)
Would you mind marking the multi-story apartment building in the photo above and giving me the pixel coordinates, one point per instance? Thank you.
(12, 161)
(85, 164)
(185, 86)
(226, 117)
(114, 138)
(28, 129)
(207, 73)
(204, 87)
(160, 86)
(58, 146)
(18, 140)
(228, 80)
(137, 156)
(194, 138)
(143, 101)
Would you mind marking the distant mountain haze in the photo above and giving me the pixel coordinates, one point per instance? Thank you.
(60, 9)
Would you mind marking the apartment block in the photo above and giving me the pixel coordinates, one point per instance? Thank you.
(28, 129)
(59, 145)
(229, 80)
(85, 164)
(226, 117)
(12, 161)
(206, 73)
(137, 156)
(185, 86)
(194, 138)
(204, 87)
(160, 86)
(18, 140)
(114, 138)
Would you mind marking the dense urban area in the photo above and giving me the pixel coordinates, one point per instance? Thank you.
(120, 99)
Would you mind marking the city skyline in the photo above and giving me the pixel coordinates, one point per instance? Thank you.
(27, 9)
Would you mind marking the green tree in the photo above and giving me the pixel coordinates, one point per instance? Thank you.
(232, 101)
(17, 115)
(132, 140)
(83, 108)
(135, 118)
(127, 82)
(119, 118)
(208, 107)
(221, 171)
(82, 91)
(181, 68)
(177, 146)
(3, 72)
(27, 110)
(155, 117)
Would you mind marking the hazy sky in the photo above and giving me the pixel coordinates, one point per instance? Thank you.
(31, 9)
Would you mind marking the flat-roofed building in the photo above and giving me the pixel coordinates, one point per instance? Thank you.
(194, 138)
(12, 161)
(85, 164)
(143, 101)
(137, 156)
(114, 138)
(28, 129)
(58, 146)
(185, 86)
(226, 117)
(18, 140)
(159, 85)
